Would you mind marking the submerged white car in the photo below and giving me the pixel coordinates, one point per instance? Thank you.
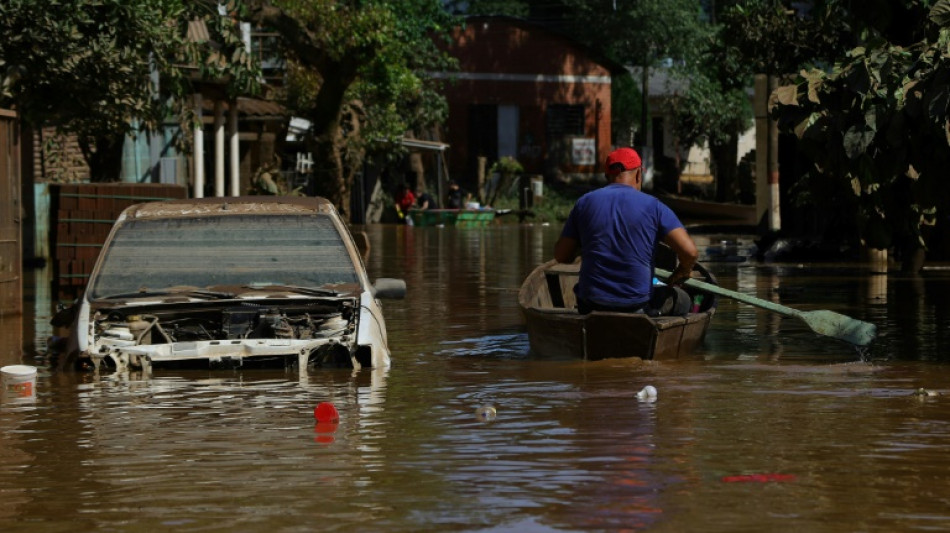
(232, 282)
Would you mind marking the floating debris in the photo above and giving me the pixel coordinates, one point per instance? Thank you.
(759, 478)
(326, 412)
(647, 394)
(486, 413)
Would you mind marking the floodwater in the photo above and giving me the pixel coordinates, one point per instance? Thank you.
(770, 428)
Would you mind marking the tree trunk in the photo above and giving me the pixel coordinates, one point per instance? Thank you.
(645, 105)
(724, 156)
(328, 172)
(418, 171)
(337, 70)
(912, 258)
(104, 158)
(328, 163)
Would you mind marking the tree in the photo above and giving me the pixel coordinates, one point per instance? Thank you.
(355, 71)
(86, 67)
(750, 37)
(511, 8)
(877, 127)
(640, 33)
(708, 111)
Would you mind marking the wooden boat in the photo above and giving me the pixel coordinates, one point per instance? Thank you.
(465, 218)
(557, 330)
(692, 209)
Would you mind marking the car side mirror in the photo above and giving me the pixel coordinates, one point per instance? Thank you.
(389, 288)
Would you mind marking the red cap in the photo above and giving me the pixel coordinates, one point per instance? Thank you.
(628, 158)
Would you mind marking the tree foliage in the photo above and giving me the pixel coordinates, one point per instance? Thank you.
(355, 72)
(644, 32)
(641, 33)
(511, 8)
(86, 67)
(878, 126)
(765, 37)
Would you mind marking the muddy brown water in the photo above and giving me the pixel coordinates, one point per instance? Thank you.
(770, 428)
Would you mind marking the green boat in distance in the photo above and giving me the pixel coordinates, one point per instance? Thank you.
(463, 218)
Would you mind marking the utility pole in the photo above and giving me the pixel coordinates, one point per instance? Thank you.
(766, 155)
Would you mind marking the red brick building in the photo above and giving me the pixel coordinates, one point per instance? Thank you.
(529, 93)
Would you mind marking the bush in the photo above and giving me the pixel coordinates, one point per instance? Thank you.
(552, 208)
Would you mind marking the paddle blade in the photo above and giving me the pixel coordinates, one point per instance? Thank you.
(840, 327)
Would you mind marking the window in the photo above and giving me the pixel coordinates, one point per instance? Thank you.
(229, 250)
(564, 120)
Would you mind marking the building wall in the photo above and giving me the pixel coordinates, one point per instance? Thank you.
(82, 214)
(55, 157)
(506, 62)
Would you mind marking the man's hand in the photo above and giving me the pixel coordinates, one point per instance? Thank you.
(686, 252)
(680, 275)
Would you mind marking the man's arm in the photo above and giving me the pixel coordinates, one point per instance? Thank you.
(565, 250)
(681, 243)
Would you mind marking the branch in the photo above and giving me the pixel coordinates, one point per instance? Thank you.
(296, 36)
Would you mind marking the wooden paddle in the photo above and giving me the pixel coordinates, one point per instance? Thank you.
(822, 322)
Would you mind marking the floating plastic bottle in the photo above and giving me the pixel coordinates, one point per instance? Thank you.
(486, 413)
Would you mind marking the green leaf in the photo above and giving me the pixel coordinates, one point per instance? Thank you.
(940, 13)
(787, 95)
(857, 140)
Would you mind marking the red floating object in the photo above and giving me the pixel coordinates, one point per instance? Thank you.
(326, 412)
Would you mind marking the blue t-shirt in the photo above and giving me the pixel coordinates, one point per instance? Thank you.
(618, 228)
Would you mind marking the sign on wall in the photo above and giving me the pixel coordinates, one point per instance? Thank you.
(583, 151)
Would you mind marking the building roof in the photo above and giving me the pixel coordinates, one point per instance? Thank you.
(250, 108)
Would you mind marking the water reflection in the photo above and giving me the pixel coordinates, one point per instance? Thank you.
(11, 339)
(197, 436)
(847, 445)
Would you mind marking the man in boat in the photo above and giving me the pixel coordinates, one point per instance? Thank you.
(616, 230)
(425, 200)
(404, 199)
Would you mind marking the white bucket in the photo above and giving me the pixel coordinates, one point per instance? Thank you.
(19, 382)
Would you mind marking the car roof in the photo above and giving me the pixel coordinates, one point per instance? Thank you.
(231, 205)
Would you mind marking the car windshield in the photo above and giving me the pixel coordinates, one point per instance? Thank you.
(252, 250)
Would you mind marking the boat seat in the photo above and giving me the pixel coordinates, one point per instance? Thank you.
(666, 322)
(561, 281)
(568, 269)
(557, 311)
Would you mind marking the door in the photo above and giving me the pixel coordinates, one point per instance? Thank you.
(507, 131)
(483, 137)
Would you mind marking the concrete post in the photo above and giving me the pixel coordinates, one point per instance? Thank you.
(198, 150)
(767, 200)
(218, 148)
(234, 152)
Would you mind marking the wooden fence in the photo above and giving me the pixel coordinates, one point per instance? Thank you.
(11, 212)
